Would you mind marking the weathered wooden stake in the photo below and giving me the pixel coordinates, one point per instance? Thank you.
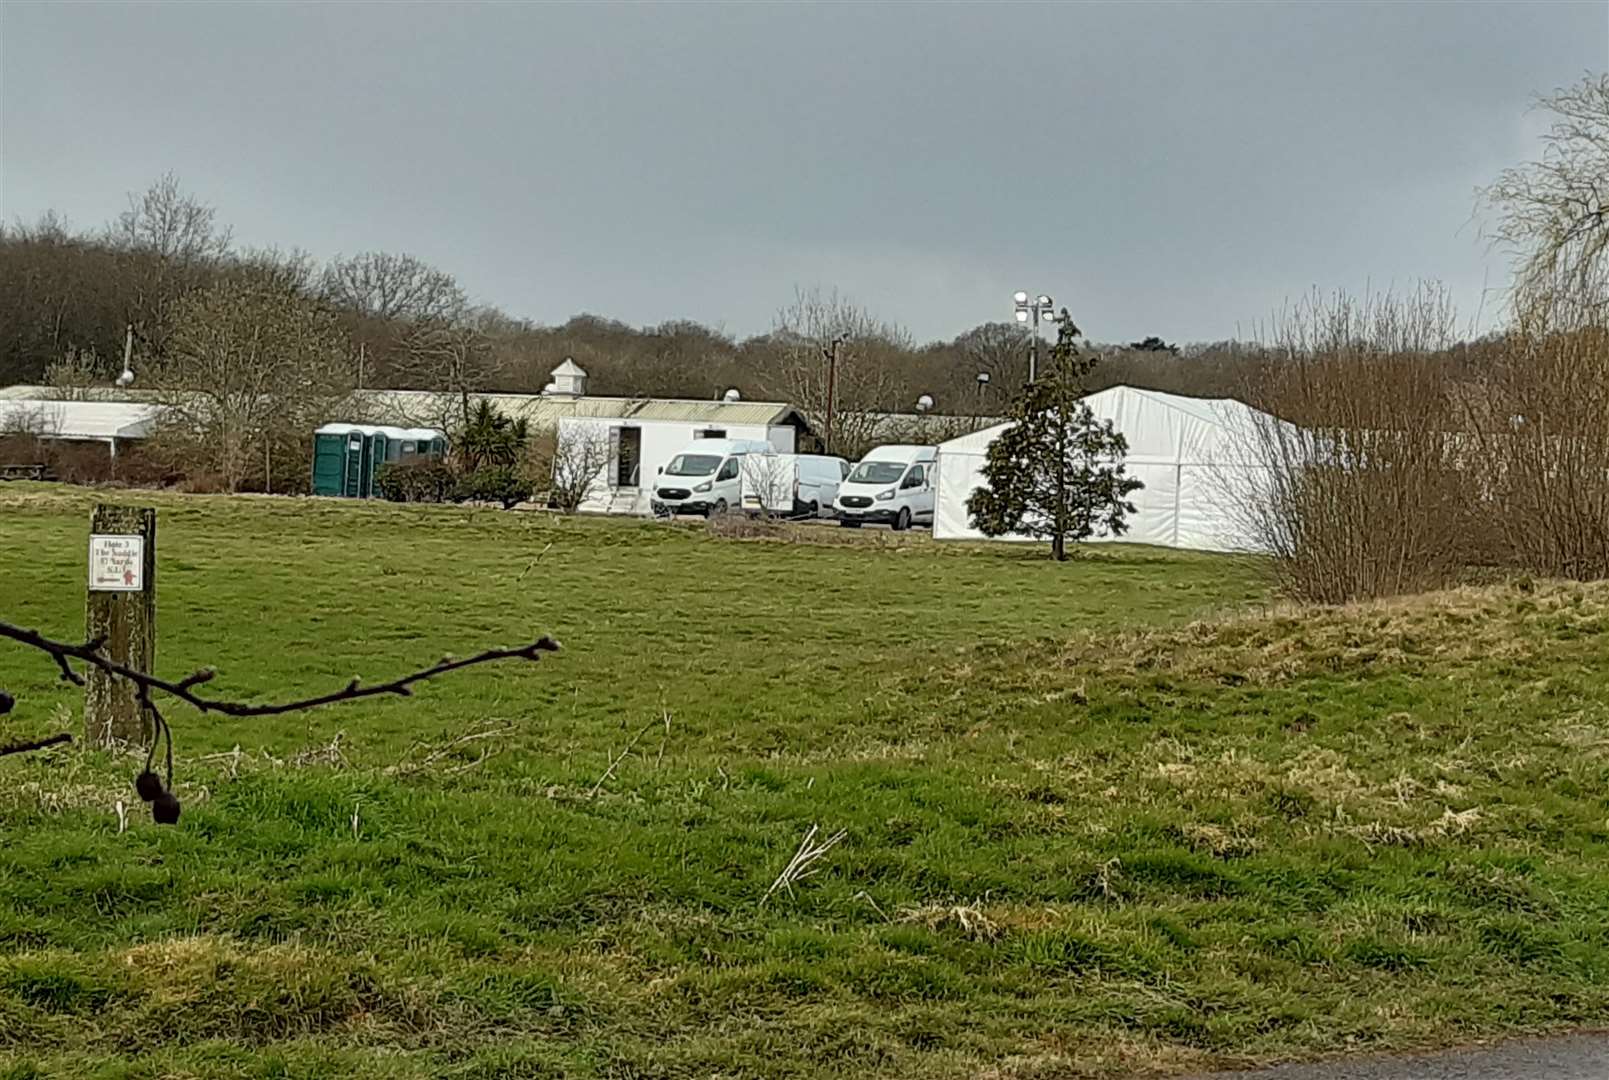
(121, 611)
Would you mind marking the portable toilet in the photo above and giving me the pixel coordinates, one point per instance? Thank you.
(347, 457)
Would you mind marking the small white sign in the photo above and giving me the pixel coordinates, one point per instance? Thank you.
(116, 563)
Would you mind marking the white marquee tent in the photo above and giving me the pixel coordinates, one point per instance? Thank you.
(1194, 455)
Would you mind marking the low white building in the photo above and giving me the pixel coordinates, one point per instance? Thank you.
(108, 422)
(624, 440)
(631, 449)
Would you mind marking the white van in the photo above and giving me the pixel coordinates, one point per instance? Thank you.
(793, 485)
(704, 478)
(892, 485)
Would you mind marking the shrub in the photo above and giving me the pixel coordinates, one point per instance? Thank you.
(737, 526)
(1365, 493)
(1539, 442)
(504, 484)
(416, 481)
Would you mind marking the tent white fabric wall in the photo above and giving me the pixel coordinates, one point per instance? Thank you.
(1194, 456)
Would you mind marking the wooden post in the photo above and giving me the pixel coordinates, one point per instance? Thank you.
(120, 611)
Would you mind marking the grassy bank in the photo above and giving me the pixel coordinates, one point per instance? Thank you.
(1097, 817)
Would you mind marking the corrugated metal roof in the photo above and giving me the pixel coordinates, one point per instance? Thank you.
(87, 393)
(547, 410)
(395, 433)
(428, 408)
(79, 419)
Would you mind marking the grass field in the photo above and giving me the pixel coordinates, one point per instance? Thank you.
(1099, 818)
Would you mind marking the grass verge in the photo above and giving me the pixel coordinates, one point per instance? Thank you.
(1094, 825)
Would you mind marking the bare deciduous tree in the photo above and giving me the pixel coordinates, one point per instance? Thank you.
(769, 480)
(77, 369)
(999, 349)
(177, 239)
(451, 357)
(290, 271)
(380, 285)
(1554, 212)
(575, 456)
(172, 225)
(808, 332)
(250, 368)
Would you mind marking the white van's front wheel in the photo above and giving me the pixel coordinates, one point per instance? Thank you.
(902, 520)
(720, 508)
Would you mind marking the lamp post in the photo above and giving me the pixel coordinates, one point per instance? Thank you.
(1029, 313)
(830, 354)
(125, 378)
(983, 384)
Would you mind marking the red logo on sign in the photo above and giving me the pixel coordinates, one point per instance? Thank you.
(128, 577)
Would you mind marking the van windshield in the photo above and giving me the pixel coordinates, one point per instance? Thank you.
(692, 465)
(877, 472)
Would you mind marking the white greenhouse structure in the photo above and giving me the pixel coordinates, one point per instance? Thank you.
(1196, 456)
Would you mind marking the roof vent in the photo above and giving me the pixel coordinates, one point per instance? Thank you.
(568, 380)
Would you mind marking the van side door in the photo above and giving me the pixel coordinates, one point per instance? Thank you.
(917, 489)
(726, 484)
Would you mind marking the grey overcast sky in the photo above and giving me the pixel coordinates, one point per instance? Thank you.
(1173, 169)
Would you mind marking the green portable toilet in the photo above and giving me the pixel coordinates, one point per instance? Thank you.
(347, 457)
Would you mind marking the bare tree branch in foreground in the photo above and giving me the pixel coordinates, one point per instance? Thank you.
(150, 787)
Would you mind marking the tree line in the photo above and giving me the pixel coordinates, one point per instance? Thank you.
(1410, 453)
(252, 348)
(67, 297)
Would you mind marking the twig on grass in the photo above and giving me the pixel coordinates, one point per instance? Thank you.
(330, 755)
(408, 768)
(232, 756)
(635, 739)
(804, 861)
(866, 896)
(532, 564)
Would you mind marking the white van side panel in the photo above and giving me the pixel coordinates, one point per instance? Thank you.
(768, 482)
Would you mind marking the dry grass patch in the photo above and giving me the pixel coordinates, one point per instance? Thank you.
(1458, 626)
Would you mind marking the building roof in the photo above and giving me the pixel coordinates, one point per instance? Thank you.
(569, 367)
(1159, 428)
(78, 419)
(87, 393)
(427, 406)
(406, 434)
(922, 428)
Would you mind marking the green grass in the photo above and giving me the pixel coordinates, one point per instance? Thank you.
(1096, 821)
